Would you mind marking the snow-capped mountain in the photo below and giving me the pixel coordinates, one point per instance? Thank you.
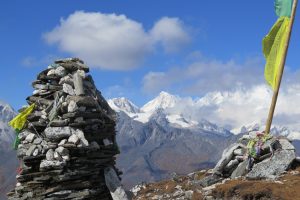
(163, 101)
(275, 130)
(8, 159)
(123, 104)
(6, 133)
(159, 139)
(6, 112)
(168, 105)
(226, 109)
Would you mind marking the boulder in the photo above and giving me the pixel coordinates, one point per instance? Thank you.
(240, 170)
(226, 157)
(286, 145)
(274, 166)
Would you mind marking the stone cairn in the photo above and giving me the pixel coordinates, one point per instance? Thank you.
(277, 156)
(67, 148)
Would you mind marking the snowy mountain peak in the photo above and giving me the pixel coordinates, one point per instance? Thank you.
(163, 100)
(6, 112)
(212, 98)
(123, 104)
(6, 133)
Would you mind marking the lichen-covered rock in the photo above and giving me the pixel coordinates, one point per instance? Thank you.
(273, 167)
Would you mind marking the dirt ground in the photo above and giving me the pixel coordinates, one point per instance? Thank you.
(169, 187)
(285, 188)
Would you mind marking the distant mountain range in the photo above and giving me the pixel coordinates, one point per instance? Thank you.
(166, 136)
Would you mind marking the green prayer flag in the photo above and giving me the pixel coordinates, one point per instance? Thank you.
(273, 49)
(17, 140)
(283, 8)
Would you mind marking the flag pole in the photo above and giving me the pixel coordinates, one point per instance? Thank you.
(281, 68)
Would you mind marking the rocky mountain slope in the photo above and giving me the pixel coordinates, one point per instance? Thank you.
(155, 142)
(273, 176)
(8, 160)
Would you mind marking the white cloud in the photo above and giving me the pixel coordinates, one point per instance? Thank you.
(155, 81)
(171, 32)
(113, 41)
(233, 94)
(205, 76)
(242, 106)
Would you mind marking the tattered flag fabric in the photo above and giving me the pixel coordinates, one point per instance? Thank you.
(283, 8)
(273, 49)
(274, 42)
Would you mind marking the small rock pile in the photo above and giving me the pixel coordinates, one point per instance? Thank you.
(67, 148)
(234, 161)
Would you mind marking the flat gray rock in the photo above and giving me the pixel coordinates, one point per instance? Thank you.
(30, 137)
(285, 144)
(114, 185)
(68, 89)
(47, 164)
(50, 155)
(78, 84)
(227, 156)
(273, 167)
(231, 165)
(58, 133)
(30, 151)
(60, 71)
(74, 139)
(240, 170)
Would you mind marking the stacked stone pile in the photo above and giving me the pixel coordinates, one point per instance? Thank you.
(68, 143)
(277, 156)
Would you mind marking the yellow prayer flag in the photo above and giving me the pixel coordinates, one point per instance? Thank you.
(273, 49)
(19, 121)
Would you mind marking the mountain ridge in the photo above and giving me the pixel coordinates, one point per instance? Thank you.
(182, 113)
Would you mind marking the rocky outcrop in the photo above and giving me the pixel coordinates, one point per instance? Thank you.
(275, 177)
(68, 144)
(276, 157)
(273, 167)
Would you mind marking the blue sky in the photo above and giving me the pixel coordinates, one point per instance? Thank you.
(187, 48)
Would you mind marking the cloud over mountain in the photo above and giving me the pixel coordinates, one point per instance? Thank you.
(204, 76)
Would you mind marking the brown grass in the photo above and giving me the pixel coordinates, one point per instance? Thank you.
(248, 190)
(288, 189)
